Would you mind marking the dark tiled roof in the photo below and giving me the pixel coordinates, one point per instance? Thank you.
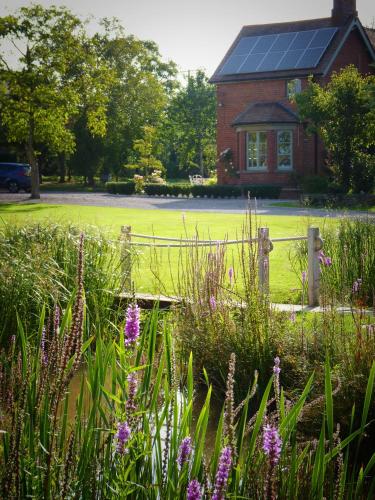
(265, 112)
(270, 29)
(371, 35)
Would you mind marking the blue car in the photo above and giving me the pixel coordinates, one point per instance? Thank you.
(15, 176)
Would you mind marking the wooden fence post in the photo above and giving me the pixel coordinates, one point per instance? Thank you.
(314, 245)
(126, 257)
(264, 248)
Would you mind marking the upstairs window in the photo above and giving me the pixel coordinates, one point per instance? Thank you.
(284, 150)
(256, 150)
(293, 87)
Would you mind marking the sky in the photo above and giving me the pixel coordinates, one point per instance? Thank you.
(196, 34)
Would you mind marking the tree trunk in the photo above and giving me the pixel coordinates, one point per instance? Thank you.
(201, 166)
(35, 180)
(62, 168)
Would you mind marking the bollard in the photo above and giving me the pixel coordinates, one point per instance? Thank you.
(314, 245)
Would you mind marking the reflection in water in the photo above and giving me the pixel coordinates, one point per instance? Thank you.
(199, 399)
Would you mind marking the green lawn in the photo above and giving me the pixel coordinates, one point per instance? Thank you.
(171, 224)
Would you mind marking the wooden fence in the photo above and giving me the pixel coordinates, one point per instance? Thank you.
(265, 247)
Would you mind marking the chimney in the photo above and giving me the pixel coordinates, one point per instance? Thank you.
(342, 10)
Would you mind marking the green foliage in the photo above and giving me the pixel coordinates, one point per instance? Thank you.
(121, 187)
(214, 191)
(145, 150)
(56, 73)
(314, 184)
(67, 447)
(139, 94)
(188, 132)
(351, 247)
(343, 113)
(38, 266)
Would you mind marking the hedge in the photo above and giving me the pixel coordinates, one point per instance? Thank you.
(214, 191)
(121, 187)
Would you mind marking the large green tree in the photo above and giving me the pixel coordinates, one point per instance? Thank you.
(189, 128)
(343, 113)
(53, 76)
(139, 95)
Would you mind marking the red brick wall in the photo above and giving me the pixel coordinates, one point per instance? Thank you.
(233, 98)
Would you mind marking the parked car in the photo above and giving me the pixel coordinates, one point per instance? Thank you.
(15, 176)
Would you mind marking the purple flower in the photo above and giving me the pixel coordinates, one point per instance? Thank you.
(194, 491)
(132, 389)
(213, 303)
(324, 260)
(184, 451)
(304, 277)
(272, 444)
(132, 324)
(293, 317)
(222, 474)
(231, 275)
(122, 436)
(276, 368)
(357, 285)
(43, 347)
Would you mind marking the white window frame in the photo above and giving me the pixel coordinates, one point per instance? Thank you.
(257, 167)
(285, 167)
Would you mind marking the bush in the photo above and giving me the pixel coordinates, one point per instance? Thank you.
(164, 189)
(121, 187)
(215, 191)
(315, 184)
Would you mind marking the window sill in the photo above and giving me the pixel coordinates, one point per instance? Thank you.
(285, 169)
(254, 170)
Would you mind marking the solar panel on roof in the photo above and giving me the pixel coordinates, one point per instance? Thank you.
(245, 45)
(264, 44)
(282, 51)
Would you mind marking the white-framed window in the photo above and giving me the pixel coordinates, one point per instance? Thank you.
(285, 150)
(256, 150)
(293, 87)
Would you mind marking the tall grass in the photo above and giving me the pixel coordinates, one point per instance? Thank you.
(351, 246)
(45, 454)
(38, 265)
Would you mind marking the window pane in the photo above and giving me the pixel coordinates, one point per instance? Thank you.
(284, 149)
(256, 149)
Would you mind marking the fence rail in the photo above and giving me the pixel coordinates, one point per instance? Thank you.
(265, 247)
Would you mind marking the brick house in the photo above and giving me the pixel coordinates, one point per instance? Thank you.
(260, 139)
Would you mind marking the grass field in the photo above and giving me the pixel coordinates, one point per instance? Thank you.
(163, 264)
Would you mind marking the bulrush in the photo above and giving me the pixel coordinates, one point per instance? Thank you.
(184, 451)
(132, 325)
(194, 490)
(73, 341)
(276, 381)
(222, 474)
(229, 403)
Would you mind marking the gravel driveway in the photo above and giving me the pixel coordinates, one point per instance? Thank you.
(264, 207)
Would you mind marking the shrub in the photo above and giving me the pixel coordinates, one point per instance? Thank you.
(121, 187)
(315, 184)
(165, 189)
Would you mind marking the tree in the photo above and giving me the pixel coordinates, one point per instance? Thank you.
(139, 95)
(343, 115)
(189, 130)
(54, 76)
